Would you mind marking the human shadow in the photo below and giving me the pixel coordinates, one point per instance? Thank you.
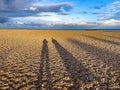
(103, 40)
(108, 57)
(77, 71)
(44, 63)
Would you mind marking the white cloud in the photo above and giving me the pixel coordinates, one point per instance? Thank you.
(54, 19)
(71, 23)
(19, 22)
(47, 18)
(41, 18)
(32, 8)
(111, 22)
(111, 11)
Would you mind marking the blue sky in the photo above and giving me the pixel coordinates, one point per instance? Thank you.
(60, 14)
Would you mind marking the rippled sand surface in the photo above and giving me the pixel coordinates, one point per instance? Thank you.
(59, 60)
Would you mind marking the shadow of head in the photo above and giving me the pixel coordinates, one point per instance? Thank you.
(45, 41)
(54, 41)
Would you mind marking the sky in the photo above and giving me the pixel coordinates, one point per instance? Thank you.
(60, 14)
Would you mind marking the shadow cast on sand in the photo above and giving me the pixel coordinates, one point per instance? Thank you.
(110, 58)
(115, 37)
(77, 71)
(103, 40)
(44, 63)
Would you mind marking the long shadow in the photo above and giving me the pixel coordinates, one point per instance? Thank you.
(44, 63)
(110, 58)
(110, 31)
(76, 70)
(116, 37)
(103, 40)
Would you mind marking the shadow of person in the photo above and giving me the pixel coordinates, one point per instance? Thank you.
(78, 72)
(44, 67)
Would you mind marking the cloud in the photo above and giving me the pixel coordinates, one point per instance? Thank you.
(15, 4)
(63, 13)
(8, 14)
(17, 13)
(116, 16)
(106, 24)
(59, 7)
(14, 8)
(42, 24)
(3, 19)
(101, 13)
(111, 11)
(41, 18)
(111, 22)
(28, 4)
(19, 8)
(83, 12)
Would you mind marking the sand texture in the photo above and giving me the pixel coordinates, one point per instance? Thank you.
(59, 60)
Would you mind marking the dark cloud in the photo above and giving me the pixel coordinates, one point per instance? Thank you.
(15, 4)
(3, 19)
(63, 13)
(17, 13)
(14, 8)
(5, 15)
(99, 13)
(26, 4)
(96, 13)
(22, 26)
(108, 27)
